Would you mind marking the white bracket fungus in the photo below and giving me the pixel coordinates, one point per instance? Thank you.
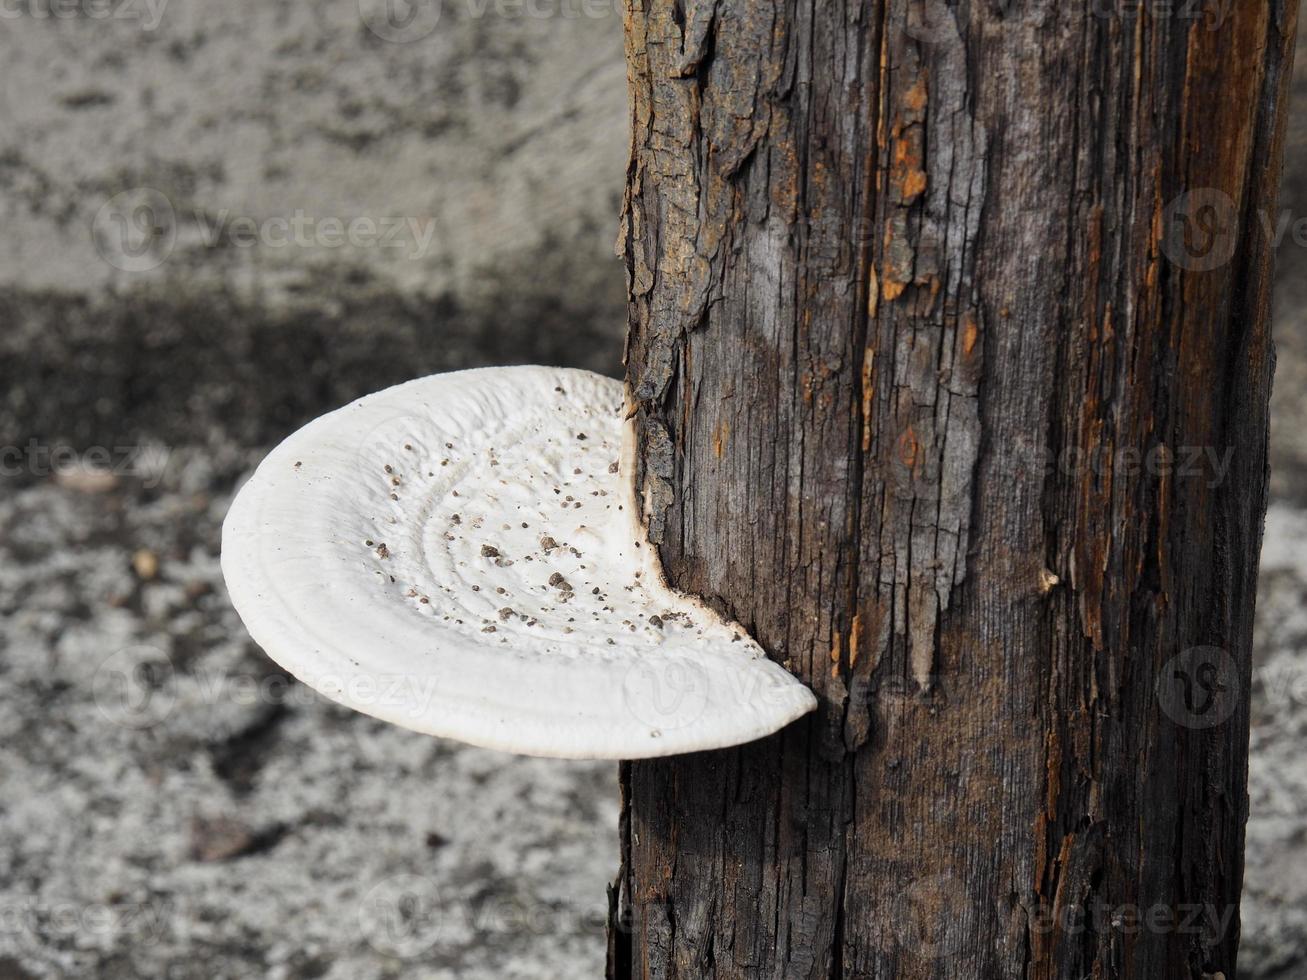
(459, 555)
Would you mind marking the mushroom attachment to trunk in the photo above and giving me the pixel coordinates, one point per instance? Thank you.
(459, 555)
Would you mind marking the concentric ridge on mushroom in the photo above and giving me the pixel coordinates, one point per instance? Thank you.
(459, 555)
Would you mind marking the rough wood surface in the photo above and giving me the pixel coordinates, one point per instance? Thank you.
(949, 356)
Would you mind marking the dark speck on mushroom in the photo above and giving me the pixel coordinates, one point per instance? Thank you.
(488, 551)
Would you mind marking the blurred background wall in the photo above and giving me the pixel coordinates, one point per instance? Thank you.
(222, 219)
(248, 211)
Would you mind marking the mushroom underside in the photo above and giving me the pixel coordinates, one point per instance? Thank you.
(458, 555)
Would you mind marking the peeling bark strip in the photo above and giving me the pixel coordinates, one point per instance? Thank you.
(911, 284)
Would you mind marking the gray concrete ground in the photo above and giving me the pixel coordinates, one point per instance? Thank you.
(194, 197)
(214, 819)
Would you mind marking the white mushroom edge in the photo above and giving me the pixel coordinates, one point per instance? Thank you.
(460, 555)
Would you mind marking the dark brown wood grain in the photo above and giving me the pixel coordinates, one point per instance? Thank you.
(949, 360)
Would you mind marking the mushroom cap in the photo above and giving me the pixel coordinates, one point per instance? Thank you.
(459, 555)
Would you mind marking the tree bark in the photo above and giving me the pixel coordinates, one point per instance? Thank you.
(949, 360)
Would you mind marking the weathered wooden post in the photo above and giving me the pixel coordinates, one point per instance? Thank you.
(949, 353)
